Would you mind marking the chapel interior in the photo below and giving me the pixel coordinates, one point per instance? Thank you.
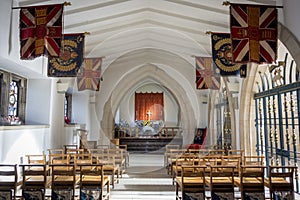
(147, 114)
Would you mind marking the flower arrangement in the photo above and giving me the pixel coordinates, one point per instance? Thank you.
(10, 120)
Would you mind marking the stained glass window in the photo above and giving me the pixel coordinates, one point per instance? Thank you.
(13, 99)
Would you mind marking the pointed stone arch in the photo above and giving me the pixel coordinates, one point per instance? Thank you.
(158, 75)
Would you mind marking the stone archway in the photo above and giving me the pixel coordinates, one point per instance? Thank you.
(160, 76)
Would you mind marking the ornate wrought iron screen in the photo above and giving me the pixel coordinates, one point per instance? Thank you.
(278, 114)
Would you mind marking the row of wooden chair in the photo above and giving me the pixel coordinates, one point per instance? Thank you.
(63, 180)
(221, 179)
(111, 166)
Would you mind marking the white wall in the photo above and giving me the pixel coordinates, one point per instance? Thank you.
(291, 16)
(22, 140)
(38, 101)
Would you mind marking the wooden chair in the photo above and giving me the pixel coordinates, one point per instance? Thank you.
(253, 160)
(236, 152)
(232, 160)
(171, 162)
(191, 183)
(39, 159)
(56, 151)
(251, 182)
(125, 153)
(119, 159)
(221, 181)
(168, 152)
(281, 182)
(94, 180)
(8, 181)
(36, 159)
(35, 181)
(63, 181)
(70, 147)
(81, 159)
(110, 167)
(182, 160)
(220, 152)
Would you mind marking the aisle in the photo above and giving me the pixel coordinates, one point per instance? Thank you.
(146, 179)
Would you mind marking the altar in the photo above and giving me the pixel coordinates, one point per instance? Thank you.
(148, 127)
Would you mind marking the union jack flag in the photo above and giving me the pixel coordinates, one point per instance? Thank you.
(40, 30)
(90, 74)
(253, 33)
(207, 74)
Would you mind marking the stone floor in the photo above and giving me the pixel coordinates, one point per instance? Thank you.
(146, 179)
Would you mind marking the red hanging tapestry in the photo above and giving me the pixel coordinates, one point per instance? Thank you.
(149, 106)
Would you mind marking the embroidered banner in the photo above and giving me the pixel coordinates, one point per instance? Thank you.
(222, 55)
(70, 57)
(253, 33)
(89, 75)
(40, 30)
(207, 75)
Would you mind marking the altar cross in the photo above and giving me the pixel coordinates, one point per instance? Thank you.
(149, 114)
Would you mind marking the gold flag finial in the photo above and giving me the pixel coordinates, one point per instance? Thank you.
(208, 32)
(226, 3)
(67, 3)
(87, 33)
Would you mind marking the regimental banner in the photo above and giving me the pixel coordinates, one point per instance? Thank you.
(40, 30)
(222, 55)
(207, 75)
(253, 33)
(89, 74)
(70, 58)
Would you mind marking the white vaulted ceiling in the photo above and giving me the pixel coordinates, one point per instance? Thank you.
(118, 27)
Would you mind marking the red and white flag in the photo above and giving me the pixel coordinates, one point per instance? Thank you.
(253, 33)
(207, 74)
(40, 30)
(89, 75)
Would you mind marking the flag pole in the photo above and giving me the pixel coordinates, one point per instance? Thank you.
(227, 3)
(65, 4)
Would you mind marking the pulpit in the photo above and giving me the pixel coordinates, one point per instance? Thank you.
(82, 133)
